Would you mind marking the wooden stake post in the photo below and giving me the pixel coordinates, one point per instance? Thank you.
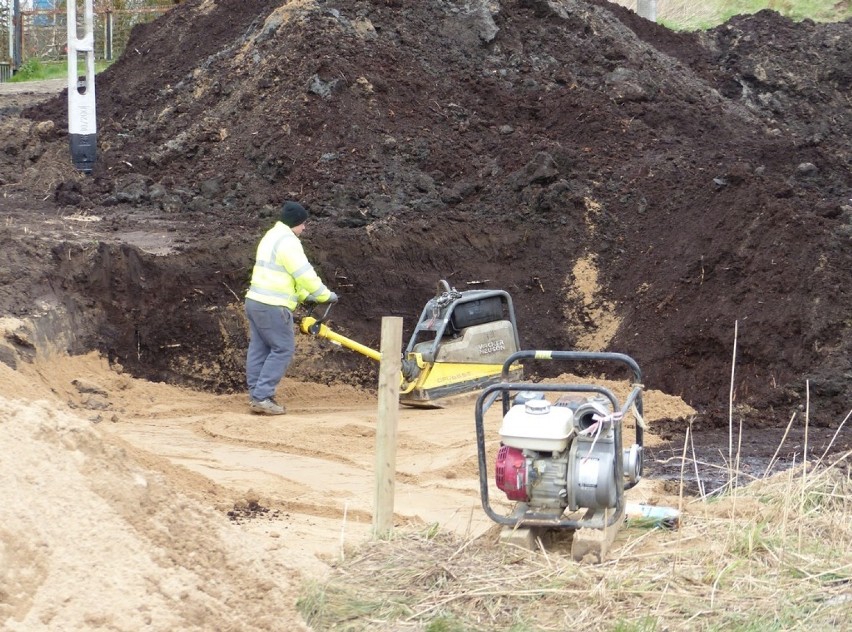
(389, 372)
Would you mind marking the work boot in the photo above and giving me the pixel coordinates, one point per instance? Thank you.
(266, 407)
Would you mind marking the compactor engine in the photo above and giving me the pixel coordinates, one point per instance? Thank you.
(459, 344)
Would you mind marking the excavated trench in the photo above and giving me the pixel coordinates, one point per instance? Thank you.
(162, 318)
(590, 163)
(173, 313)
(669, 196)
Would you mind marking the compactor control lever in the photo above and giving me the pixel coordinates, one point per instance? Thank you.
(315, 325)
(313, 308)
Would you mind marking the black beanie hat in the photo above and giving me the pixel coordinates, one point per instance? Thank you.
(293, 214)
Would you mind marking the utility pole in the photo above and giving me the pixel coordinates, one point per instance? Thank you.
(10, 24)
(82, 120)
(15, 35)
(647, 9)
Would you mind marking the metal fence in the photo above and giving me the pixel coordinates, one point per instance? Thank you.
(42, 35)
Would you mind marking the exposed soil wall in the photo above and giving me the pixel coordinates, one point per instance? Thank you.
(659, 194)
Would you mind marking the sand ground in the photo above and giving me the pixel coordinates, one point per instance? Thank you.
(132, 503)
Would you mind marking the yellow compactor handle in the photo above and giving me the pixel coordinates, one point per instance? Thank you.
(311, 326)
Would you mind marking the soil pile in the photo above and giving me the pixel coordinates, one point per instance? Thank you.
(658, 194)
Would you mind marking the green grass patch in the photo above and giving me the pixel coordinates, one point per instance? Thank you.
(817, 10)
(37, 70)
(645, 624)
(687, 15)
(321, 603)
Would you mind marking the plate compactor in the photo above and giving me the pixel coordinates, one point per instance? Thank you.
(459, 345)
(561, 457)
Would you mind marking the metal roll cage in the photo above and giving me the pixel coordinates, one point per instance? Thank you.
(522, 518)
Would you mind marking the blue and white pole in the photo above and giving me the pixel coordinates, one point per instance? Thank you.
(82, 120)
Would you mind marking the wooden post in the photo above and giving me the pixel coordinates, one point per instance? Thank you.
(389, 379)
(108, 22)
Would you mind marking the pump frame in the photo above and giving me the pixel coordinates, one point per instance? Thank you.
(522, 517)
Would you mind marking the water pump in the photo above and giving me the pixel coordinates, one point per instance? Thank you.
(561, 457)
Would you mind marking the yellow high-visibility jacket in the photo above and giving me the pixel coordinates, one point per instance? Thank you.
(282, 274)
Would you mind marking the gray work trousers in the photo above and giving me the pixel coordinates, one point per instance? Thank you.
(272, 345)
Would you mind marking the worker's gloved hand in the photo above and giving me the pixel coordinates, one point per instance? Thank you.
(333, 298)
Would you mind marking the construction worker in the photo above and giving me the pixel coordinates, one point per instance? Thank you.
(281, 279)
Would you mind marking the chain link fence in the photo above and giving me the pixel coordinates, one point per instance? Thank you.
(5, 43)
(41, 34)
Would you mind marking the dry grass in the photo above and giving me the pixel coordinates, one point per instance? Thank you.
(776, 556)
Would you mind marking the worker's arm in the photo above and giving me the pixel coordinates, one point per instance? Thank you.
(309, 286)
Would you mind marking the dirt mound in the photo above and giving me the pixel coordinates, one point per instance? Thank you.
(659, 194)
